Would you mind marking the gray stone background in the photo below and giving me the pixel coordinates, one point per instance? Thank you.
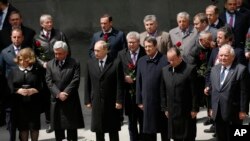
(79, 19)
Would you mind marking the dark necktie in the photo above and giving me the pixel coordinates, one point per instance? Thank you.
(47, 35)
(60, 63)
(134, 57)
(212, 25)
(231, 20)
(101, 66)
(222, 75)
(106, 37)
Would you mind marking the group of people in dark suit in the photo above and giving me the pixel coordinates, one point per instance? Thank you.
(157, 78)
(171, 79)
(29, 92)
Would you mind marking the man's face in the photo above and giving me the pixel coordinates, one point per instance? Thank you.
(211, 16)
(133, 44)
(239, 3)
(173, 59)
(231, 5)
(150, 49)
(221, 40)
(150, 26)
(17, 38)
(15, 20)
(105, 24)
(47, 24)
(199, 25)
(225, 57)
(60, 54)
(183, 23)
(206, 41)
(100, 51)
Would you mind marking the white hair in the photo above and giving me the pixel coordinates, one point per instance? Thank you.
(229, 48)
(60, 44)
(45, 17)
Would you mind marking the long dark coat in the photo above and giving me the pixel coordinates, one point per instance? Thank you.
(148, 92)
(103, 90)
(179, 98)
(66, 114)
(130, 99)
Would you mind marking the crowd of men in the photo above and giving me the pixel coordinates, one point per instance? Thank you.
(158, 79)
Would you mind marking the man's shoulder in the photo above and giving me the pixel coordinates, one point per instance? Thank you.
(7, 49)
(173, 30)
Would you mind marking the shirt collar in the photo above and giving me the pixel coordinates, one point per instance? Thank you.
(15, 47)
(104, 59)
(28, 68)
(137, 51)
(108, 31)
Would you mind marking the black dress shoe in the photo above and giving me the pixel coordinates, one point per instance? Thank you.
(210, 130)
(208, 122)
(49, 130)
(214, 135)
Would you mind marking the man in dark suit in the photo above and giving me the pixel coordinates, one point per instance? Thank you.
(15, 20)
(43, 47)
(63, 78)
(224, 36)
(212, 12)
(7, 63)
(116, 39)
(5, 9)
(237, 21)
(148, 79)
(104, 92)
(229, 92)
(179, 97)
(129, 58)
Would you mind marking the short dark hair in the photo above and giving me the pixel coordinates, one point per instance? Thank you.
(176, 50)
(15, 12)
(151, 39)
(4, 2)
(227, 29)
(107, 16)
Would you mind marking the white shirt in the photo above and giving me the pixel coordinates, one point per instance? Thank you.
(104, 61)
(226, 72)
(16, 49)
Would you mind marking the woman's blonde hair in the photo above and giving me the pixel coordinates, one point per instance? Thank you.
(25, 54)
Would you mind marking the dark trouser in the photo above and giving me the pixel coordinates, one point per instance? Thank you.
(135, 117)
(153, 137)
(113, 136)
(11, 127)
(71, 134)
(222, 127)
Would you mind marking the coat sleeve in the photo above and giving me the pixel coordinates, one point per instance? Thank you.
(120, 83)
(194, 92)
(244, 92)
(74, 83)
(163, 93)
(49, 80)
(138, 85)
(87, 86)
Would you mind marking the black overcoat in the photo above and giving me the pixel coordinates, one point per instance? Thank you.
(103, 90)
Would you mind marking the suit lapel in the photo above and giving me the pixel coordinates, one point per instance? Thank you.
(107, 65)
(128, 56)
